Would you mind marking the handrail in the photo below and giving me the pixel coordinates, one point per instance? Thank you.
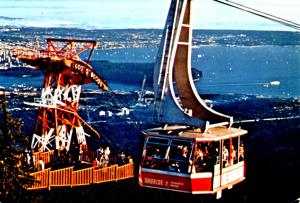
(41, 180)
(61, 177)
(125, 171)
(92, 175)
(105, 174)
(46, 157)
(82, 177)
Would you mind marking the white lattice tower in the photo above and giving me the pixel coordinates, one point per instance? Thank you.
(63, 102)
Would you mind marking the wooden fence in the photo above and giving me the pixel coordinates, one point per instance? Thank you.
(68, 177)
(41, 179)
(46, 157)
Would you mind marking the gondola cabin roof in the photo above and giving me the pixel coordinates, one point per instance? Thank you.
(182, 131)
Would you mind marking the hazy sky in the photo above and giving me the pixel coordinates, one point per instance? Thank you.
(207, 14)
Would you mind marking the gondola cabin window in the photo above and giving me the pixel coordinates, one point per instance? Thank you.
(180, 155)
(155, 153)
(206, 156)
(232, 151)
(168, 154)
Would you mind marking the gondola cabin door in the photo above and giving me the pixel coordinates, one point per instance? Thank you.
(193, 163)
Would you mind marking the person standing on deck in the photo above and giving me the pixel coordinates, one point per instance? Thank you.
(41, 165)
(106, 156)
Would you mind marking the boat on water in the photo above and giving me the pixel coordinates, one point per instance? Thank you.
(194, 149)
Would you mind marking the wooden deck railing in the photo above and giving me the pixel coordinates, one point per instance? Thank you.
(61, 177)
(82, 177)
(46, 157)
(68, 177)
(125, 171)
(88, 156)
(105, 174)
(41, 179)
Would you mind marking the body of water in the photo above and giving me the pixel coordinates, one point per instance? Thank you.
(238, 68)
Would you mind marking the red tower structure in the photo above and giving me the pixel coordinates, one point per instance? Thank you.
(58, 120)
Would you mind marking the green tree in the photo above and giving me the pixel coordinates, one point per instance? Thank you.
(14, 171)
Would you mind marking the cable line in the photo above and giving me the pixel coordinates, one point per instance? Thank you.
(267, 119)
(260, 13)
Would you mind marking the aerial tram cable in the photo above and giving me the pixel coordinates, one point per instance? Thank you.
(272, 18)
(285, 22)
(267, 119)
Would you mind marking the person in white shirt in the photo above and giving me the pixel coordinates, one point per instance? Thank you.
(225, 156)
(106, 156)
(41, 165)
